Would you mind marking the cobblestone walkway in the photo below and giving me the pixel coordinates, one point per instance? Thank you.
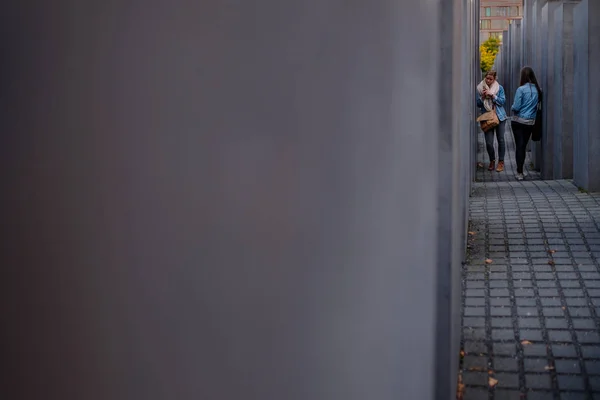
(531, 291)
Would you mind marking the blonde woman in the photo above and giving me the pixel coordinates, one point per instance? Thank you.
(492, 97)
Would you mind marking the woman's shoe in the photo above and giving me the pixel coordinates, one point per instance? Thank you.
(492, 165)
(520, 177)
(500, 166)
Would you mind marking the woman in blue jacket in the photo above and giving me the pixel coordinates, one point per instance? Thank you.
(525, 108)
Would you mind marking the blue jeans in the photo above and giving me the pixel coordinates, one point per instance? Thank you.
(489, 142)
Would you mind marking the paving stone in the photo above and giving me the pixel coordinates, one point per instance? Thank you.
(475, 393)
(553, 312)
(532, 335)
(500, 302)
(506, 364)
(535, 350)
(529, 323)
(595, 383)
(536, 364)
(526, 302)
(523, 284)
(538, 395)
(499, 293)
(560, 336)
(474, 322)
(500, 311)
(507, 394)
(550, 302)
(577, 301)
(588, 337)
(567, 366)
(474, 334)
(503, 334)
(501, 323)
(579, 312)
(573, 396)
(520, 268)
(475, 301)
(507, 380)
(530, 293)
(475, 378)
(564, 350)
(592, 367)
(556, 323)
(538, 381)
(474, 312)
(474, 361)
(570, 382)
(527, 311)
(575, 293)
(590, 352)
(472, 347)
(505, 349)
(548, 293)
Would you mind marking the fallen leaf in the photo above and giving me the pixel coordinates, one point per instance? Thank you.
(551, 262)
(462, 353)
(471, 233)
(490, 372)
(460, 388)
(551, 251)
(526, 342)
(489, 261)
(564, 308)
(479, 165)
(492, 382)
(548, 368)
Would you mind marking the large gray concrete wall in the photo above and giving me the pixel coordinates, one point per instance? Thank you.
(514, 61)
(209, 200)
(527, 38)
(535, 61)
(562, 93)
(546, 80)
(550, 28)
(586, 117)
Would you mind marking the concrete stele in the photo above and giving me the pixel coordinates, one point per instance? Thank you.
(562, 98)
(586, 117)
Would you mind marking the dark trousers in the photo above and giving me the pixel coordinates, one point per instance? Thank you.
(522, 133)
(489, 141)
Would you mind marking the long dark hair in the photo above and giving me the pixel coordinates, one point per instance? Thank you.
(528, 76)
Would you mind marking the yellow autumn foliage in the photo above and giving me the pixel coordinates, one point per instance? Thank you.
(488, 51)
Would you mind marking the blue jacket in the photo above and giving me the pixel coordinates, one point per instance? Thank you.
(499, 100)
(526, 101)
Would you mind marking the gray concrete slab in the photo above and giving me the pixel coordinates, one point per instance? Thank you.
(586, 118)
(234, 200)
(546, 78)
(562, 91)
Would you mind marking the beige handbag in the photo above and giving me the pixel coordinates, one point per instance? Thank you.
(488, 120)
